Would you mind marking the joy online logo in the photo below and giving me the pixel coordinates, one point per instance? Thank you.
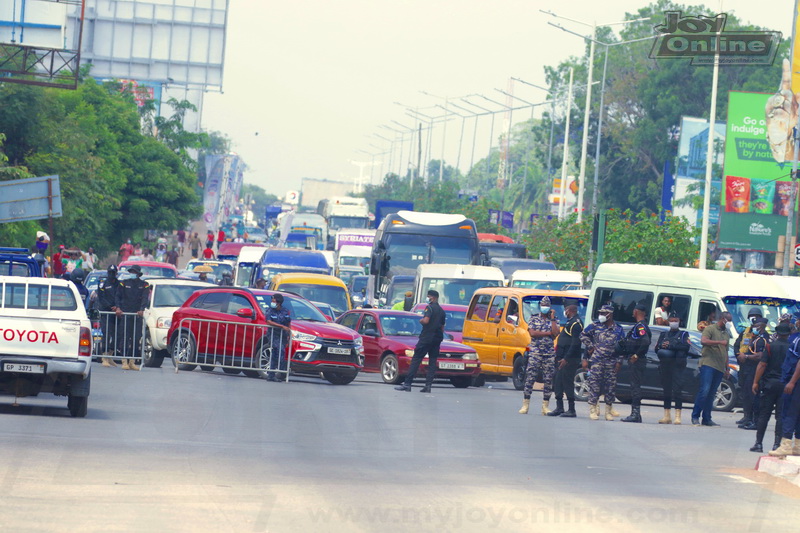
(756, 228)
(702, 37)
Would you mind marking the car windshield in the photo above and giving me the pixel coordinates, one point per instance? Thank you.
(347, 275)
(547, 285)
(456, 291)
(298, 309)
(359, 283)
(243, 272)
(454, 320)
(336, 222)
(154, 271)
(409, 251)
(335, 296)
(771, 309)
(93, 281)
(401, 325)
(173, 295)
(218, 268)
(530, 307)
(398, 291)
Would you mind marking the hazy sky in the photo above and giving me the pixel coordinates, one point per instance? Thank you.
(309, 82)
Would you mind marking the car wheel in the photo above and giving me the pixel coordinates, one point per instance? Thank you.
(461, 382)
(184, 352)
(725, 398)
(78, 406)
(518, 374)
(479, 380)
(337, 378)
(390, 370)
(151, 357)
(581, 386)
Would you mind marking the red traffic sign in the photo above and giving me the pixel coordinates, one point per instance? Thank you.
(797, 254)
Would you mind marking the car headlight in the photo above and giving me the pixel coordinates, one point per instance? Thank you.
(470, 356)
(300, 336)
(409, 353)
(164, 322)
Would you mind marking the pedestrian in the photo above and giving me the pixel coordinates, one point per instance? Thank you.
(747, 369)
(543, 329)
(72, 259)
(406, 304)
(662, 312)
(42, 240)
(220, 237)
(77, 276)
(602, 360)
(137, 250)
(278, 317)
(172, 256)
(161, 250)
(767, 383)
(90, 259)
(181, 236)
(132, 299)
(637, 343)
(790, 408)
(58, 264)
(429, 341)
(713, 365)
(210, 238)
(125, 251)
(261, 283)
(785, 318)
(568, 359)
(195, 243)
(104, 300)
(672, 349)
(202, 276)
(208, 253)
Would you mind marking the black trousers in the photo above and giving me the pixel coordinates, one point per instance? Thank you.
(746, 375)
(129, 335)
(769, 399)
(637, 375)
(431, 348)
(564, 382)
(672, 371)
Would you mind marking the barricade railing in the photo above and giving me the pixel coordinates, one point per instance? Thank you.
(232, 346)
(123, 335)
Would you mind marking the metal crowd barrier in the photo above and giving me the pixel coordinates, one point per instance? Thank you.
(118, 337)
(232, 346)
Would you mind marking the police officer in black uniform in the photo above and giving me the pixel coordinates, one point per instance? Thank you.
(104, 300)
(638, 342)
(568, 359)
(132, 297)
(76, 277)
(429, 342)
(279, 318)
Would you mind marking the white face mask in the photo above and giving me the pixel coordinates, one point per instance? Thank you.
(545, 310)
(430, 300)
(602, 318)
(674, 325)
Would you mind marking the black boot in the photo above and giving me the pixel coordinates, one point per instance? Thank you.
(559, 408)
(757, 448)
(635, 415)
(426, 388)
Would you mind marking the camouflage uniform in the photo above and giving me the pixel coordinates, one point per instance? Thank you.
(542, 357)
(603, 340)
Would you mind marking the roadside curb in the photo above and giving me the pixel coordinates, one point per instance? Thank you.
(787, 467)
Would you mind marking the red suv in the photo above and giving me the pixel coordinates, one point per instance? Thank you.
(227, 326)
(389, 341)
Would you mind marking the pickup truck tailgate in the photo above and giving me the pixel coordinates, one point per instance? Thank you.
(40, 337)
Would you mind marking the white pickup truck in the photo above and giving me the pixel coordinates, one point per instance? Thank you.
(45, 340)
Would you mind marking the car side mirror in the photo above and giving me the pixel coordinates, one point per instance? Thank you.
(245, 312)
(370, 332)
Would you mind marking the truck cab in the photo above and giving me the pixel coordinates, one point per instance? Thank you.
(19, 262)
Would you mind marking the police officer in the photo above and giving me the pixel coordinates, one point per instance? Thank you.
(748, 362)
(278, 317)
(601, 359)
(104, 300)
(568, 359)
(672, 349)
(77, 276)
(638, 343)
(767, 383)
(543, 329)
(132, 297)
(430, 340)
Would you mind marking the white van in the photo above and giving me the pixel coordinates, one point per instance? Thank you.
(455, 283)
(550, 280)
(695, 294)
(249, 258)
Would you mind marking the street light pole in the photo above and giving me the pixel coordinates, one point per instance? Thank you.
(562, 210)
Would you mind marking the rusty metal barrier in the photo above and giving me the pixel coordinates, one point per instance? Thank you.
(257, 350)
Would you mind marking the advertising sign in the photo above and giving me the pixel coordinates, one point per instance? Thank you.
(29, 199)
(690, 173)
(507, 220)
(756, 188)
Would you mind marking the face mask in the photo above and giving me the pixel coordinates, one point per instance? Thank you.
(602, 318)
(129, 241)
(430, 300)
(674, 325)
(273, 305)
(545, 310)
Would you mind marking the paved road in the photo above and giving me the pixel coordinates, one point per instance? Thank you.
(199, 451)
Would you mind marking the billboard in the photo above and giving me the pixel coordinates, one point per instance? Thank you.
(30, 199)
(756, 184)
(221, 191)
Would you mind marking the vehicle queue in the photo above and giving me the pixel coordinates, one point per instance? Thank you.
(260, 319)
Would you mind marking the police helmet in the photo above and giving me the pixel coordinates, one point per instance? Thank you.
(112, 269)
(78, 275)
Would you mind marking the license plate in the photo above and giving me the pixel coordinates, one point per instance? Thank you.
(27, 369)
(339, 351)
(451, 365)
